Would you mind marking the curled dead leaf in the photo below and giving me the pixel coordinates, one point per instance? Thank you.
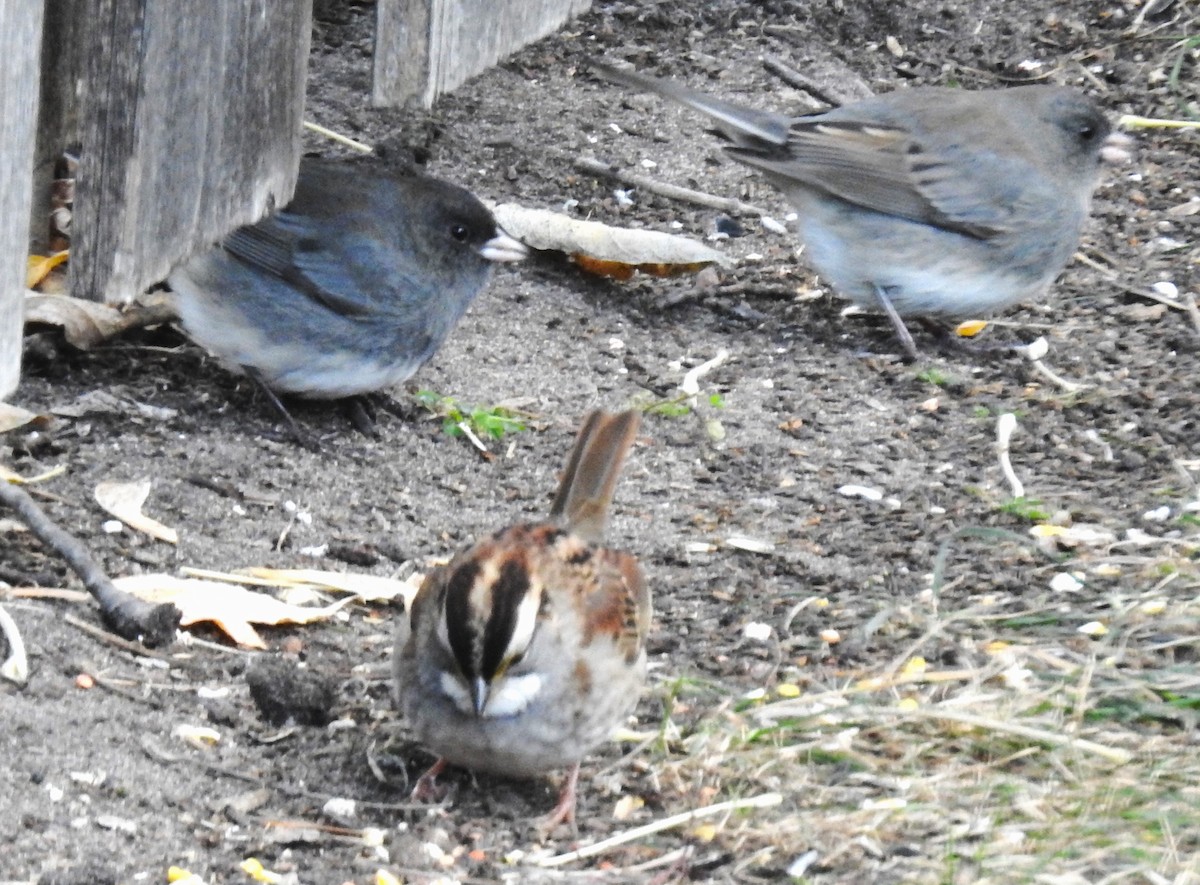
(619, 270)
(368, 588)
(40, 266)
(12, 417)
(232, 608)
(87, 323)
(602, 249)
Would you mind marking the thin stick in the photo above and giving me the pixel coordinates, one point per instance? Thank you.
(1131, 121)
(1151, 295)
(767, 800)
(1054, 378)
(792, 77)
(343, 140)
(129, 616)
(472, 438)
(1189, 304)
(781, 709)
(670, 191)
(1004, 431)
(113, 639)
(1113, 754)
(76, 596)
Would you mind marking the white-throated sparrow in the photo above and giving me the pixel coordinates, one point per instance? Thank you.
(527, 649)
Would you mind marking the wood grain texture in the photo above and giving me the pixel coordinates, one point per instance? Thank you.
(427, 47)
(190, 119)
(20, 47)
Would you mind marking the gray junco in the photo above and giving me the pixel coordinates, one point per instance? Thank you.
(350, 288)
(926, 202)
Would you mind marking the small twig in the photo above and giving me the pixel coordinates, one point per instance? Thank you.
(791, 708)
(1132, 121)
(1081, 704)
(767, 800)
(1112, 754)
(765, 291)
(472, 438)
(100, 633)
(344, 140)
(1004, 431)
(670, 191)
(1102, 269)
(1034, 351)
(76, 596)
(16, 666)
(804, 83)
(1151, 295)
(130, 617)
(690, 385)
(1189, 304)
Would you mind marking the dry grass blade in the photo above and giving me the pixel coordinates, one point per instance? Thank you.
(767, 800)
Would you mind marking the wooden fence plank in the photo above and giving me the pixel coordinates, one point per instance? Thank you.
(191, 118)
(427, 47)
(20, 47)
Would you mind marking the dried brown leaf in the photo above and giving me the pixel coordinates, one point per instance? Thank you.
(601, 248)
(232, 608)
(87, 323)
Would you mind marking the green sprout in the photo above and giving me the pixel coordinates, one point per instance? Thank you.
(1025, 508)
(494, 422)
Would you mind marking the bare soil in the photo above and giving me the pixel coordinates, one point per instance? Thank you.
(736, 507)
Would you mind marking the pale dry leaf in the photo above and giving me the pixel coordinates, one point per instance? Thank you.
(124, 500)
(368, 588)
(232, 608)
(546, 230)
(12, 417)
(88, 323)
(107, 402)
(627, 806)
(84, 323)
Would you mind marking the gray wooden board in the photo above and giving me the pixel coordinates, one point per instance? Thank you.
(427, 47)
(190, 122)
(20, 45)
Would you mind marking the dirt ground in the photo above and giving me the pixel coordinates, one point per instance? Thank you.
(737, 507)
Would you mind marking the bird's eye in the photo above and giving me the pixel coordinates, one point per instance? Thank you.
(460, 232)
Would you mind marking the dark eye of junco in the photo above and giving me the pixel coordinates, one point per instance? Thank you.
(460, 232)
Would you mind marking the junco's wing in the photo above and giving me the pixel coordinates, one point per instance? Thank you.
(311, 255)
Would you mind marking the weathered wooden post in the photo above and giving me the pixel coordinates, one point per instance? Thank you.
(190, 126)
(427, 47)
(20, 46)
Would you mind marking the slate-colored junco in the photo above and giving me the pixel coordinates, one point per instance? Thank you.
(926, 202)
(350, 288)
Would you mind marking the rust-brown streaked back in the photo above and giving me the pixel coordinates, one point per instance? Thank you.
(592, 471)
